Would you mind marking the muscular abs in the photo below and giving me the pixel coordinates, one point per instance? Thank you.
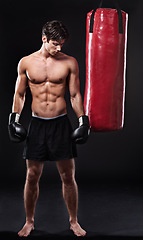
(47, 82)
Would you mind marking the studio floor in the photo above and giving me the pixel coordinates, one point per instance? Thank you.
(106, 211)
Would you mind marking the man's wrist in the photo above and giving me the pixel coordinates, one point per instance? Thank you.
(14, 117)
(83, 120)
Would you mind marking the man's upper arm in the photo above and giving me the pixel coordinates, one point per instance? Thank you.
(74, 78)
(21, 83)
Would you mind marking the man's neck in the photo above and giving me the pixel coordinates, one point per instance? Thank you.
(44, 52)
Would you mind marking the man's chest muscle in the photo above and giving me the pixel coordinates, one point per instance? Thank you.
(39, 72)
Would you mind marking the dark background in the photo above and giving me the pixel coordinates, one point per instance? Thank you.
(106, 156)
(109, 168)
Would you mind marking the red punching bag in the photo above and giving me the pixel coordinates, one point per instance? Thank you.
(106, 41)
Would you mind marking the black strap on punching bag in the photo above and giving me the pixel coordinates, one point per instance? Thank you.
(119, 17)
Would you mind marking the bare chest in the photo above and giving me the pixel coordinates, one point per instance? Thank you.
(40, 71)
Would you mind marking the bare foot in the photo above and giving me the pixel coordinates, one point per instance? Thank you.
(26, 230)
(78, 231)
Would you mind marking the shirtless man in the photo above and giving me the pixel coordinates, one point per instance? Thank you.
(47, 72)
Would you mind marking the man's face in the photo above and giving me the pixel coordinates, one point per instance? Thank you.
(53, 47)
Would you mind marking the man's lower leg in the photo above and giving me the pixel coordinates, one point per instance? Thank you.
(70, 194)
(31, 193)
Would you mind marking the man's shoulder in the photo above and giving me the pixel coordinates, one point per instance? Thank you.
(28, 57)
(72, 62)
(69, 59)
(24, 61)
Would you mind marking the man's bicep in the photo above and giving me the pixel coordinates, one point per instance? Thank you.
(21, 84)
(22, 81)
(74, 79)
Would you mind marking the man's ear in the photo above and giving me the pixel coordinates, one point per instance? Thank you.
(44, 39)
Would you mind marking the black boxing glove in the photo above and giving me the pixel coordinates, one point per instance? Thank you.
(17, 133)
(80, 135)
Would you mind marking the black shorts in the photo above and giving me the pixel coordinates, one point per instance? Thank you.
(49, 140)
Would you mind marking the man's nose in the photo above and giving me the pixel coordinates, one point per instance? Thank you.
(59, 48)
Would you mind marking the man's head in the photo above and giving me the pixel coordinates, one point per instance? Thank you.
(54, 34)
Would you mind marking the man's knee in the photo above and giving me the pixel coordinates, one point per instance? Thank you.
(67, 171)
(68, 177)
(33, 176)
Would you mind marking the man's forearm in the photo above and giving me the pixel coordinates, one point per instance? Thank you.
(18, 103)
(77, 105)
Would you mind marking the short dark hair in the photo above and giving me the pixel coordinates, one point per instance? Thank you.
(55, 30)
